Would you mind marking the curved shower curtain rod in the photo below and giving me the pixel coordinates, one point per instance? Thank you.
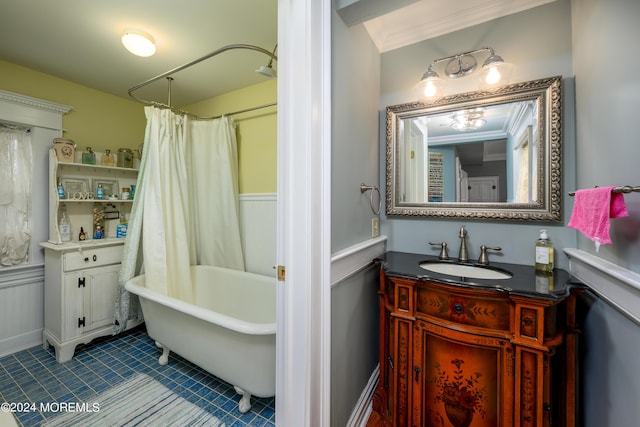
(167, 75)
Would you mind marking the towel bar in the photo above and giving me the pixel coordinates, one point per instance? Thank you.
(623, 189)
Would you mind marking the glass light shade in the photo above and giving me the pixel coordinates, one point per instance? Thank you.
(139, 43)
(495, 73)
(430, 88)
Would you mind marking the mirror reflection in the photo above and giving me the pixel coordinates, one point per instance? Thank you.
(481, 154)
(495, 153)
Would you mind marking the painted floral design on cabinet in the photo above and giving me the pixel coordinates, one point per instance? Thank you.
(463, 396)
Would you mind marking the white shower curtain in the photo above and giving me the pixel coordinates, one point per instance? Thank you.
(186, 209)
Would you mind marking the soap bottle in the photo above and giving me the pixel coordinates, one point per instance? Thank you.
(544, 253)
(82, 236)
(99, 192)
(64, 226)
(108, 159)
(89, 157)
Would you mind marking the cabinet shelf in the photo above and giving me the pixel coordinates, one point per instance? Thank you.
(80, 211)
(82, 166)
(62, 201)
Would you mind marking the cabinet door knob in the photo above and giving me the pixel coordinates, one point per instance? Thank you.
(95, 258)
(417, 370)
(86, 259)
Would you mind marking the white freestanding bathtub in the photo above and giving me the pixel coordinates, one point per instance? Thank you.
(229, 332)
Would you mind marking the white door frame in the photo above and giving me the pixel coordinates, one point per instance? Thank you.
(304, 213)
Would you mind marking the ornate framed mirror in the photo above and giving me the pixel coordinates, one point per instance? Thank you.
(488, 155)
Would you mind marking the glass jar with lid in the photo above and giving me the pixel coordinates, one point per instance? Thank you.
(125, 158)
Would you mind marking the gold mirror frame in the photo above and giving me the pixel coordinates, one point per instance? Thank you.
(547, 94)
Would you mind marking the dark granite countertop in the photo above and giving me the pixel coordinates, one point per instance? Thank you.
(524, 281)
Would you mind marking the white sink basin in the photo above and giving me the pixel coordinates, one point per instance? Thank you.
(467, 271)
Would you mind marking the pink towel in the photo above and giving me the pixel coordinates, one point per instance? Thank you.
(592, 210)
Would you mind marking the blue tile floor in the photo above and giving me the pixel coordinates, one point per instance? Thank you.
(33, 375)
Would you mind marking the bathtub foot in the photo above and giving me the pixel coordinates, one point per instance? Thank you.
(245, 401)
(164, 359)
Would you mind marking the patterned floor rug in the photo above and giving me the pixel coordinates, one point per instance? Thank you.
(139, 401)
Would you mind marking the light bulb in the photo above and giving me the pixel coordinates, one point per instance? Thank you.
(493, 76)
(430, 89)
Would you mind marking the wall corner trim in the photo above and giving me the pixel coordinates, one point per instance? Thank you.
(618, 286)
(353, 259)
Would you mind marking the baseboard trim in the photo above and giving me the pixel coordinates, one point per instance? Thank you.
(20, 342)
(362, 410)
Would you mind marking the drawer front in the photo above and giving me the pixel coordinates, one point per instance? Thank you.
(89, 258)
(475, 307)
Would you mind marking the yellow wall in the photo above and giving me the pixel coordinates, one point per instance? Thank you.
(256, 133)
(97, 119)
(102, 121)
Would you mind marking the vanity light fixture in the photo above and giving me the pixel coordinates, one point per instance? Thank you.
(494, 72)
(138, 42)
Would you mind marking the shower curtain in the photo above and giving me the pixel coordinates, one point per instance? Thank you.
(186, 209)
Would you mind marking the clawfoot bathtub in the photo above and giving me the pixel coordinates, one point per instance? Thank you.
(230, 331)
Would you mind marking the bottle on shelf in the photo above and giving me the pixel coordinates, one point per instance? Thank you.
(89, 157)
(60, 189)
(99, 234)
(82, 236)
(64, 226)
(99, 192)
(108, 159)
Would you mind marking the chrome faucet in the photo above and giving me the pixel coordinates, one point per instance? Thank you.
(463, 256)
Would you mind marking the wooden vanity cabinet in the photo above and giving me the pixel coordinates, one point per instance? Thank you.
(462, 356)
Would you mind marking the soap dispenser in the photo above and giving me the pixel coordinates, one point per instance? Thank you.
(544, 253)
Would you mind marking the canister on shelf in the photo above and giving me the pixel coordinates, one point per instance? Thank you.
(107, 158)
(65, 149)
(125, 158)
(89, 157)
(125, 193)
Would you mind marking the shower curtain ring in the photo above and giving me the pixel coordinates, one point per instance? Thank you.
(372, 188)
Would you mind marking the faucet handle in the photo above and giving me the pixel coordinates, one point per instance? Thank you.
(484, 258)
(444, 254)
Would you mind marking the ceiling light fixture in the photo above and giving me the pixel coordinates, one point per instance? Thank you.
(495, 72)
(267, 70)
(139, 43)
(466, 120)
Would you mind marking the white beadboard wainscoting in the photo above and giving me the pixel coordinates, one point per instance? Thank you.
(258, 232)
(614, 284)
(21, 305)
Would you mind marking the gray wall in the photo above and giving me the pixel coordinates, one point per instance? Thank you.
(354, 159)
(356, 95)
(538, 43)
(354, 341)
(607, 154)
(606, 34)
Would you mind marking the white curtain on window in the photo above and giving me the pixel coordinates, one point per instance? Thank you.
(15, 195)
(186, 208)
